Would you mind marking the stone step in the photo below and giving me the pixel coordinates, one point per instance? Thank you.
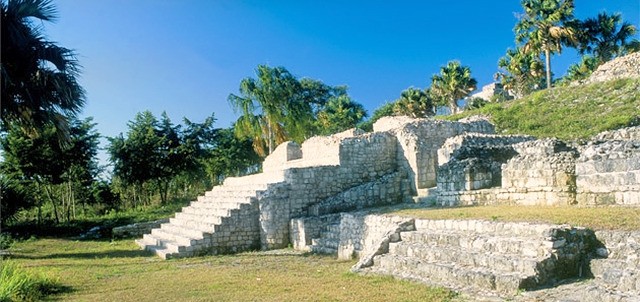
(522, 246)
(497, 228)
(195, 224)
(219, 212)
(450, 275)
(150, 241)
(260, 180)
(326, 242)
(622, 275)
(232, 192)
(183, 230)
(219, 204)
(165, 250)
(497, 262)
(200, 217)
(170, 236)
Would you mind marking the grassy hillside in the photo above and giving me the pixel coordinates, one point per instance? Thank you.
(567, 112)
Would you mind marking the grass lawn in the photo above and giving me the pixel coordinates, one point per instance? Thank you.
(119, 271)
(596, 218)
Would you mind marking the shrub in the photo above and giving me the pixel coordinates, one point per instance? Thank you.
(5, 241)
(17, 284)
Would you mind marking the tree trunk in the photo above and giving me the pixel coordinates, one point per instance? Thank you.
(547, 61)
(270, 136)
(55, 207)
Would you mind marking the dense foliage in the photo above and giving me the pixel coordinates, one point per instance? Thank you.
(39, 77)
(276, 107)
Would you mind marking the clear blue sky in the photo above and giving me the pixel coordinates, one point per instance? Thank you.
(185, 56)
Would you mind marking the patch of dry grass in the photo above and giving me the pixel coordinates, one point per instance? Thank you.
(118, 271)
(597, 218)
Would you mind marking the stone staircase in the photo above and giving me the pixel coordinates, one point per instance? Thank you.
(501, 258)
(328, 241)
(223, 220)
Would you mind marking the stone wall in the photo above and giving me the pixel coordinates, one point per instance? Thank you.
(363, 159)
(474, 161)
(609, 173)
(419, 141)
(622, 67)
(360, 233)
(302, 230)
(389, 189)
(538, 172)
(285, 152)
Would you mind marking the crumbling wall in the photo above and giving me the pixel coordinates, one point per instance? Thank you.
(363, 159)
(532, 172)
(608, 172)
(284, 153)
(419, 141)
(474, 161)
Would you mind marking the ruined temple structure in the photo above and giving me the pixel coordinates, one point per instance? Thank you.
(326, 175)
(315, 197)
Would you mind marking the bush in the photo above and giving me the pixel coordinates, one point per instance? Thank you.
(17, 284)
(5, 241)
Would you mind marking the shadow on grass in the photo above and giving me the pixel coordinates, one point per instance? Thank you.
(88, 255)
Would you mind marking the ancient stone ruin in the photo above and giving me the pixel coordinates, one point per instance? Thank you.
(315, 197)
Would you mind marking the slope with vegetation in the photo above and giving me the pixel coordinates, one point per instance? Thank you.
(567, 112)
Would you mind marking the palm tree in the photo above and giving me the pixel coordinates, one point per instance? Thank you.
(272, 109)
(607, 37)
(542, 28)
(520, 72)
(39, 78)
(414, 102)
(340, 113)
(452, 84)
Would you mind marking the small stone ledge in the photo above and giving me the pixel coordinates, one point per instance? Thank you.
(137, 229)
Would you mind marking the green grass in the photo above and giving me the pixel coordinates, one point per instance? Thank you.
(597, 218)
(567, 112)
(18, 284)
(119, 271)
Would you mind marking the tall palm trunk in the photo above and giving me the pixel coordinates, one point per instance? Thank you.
(547, 61)
(270, 136)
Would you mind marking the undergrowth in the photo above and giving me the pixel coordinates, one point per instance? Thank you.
(568, 113)
(18, 284)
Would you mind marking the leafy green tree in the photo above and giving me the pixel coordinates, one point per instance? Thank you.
(42, 167)
(157, 152)
(607, 37)
(272, 109)
(476, 103)
(543, 28)
(229, 156)
(452, 84)
(39, 78)
(414, 102)
(581, 70)
(520, 72)
(387, 109)
(340, 113)
(317, 94)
